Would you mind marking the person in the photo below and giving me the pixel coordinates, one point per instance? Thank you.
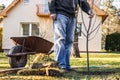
(64, 21)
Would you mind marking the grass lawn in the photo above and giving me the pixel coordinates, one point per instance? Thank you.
(102, 67)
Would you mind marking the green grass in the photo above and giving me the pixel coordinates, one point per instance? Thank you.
(102, 67)
(111, 60)
(3, 61)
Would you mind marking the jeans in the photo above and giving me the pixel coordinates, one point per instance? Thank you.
(63, 39)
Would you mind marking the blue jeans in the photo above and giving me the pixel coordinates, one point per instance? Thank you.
(63, 39)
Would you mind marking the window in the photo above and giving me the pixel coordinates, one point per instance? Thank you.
(30, 29)
(46, 10)
(43, 8)
(26, 1)
(79, 29)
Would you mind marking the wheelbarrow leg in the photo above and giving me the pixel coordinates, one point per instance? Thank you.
(50, 52)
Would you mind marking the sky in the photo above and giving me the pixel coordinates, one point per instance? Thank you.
(116, 3)
(6, 2)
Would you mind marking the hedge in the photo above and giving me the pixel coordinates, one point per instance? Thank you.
(112, 42)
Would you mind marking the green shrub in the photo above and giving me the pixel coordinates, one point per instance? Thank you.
(112, 42)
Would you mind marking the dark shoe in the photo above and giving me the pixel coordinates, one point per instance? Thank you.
(66, 70)
(63, 70)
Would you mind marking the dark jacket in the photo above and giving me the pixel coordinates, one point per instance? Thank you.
(67, 7)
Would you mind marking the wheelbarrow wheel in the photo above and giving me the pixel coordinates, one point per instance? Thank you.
(17, 61)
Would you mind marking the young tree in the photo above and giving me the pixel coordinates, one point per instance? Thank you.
(90, 31)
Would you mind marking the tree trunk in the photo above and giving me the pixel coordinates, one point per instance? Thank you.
(76, 52)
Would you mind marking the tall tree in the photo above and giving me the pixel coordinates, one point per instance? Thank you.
(112, 23)
(2, 7)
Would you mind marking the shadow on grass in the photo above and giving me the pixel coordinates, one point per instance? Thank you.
(82, 73)
(113, 52)
(97, 70)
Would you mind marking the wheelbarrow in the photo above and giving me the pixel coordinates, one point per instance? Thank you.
(25, 46)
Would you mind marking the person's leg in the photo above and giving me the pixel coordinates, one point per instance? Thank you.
(69, 40)
(60, 38)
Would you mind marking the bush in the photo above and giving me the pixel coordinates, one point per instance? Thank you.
(112, 42)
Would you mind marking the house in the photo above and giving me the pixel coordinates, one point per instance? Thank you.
(31, 17)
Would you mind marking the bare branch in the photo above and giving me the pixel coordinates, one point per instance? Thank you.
(95, 34)
(90, 22)
(95, 28)
(42, 33)
(83, 21)
(84, 34)
(93, 23)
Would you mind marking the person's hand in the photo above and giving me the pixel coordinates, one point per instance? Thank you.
(53, 16)
(91, 14)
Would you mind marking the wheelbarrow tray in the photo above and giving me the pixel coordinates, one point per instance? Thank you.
(33, 44)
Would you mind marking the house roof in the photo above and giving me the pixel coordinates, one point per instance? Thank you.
(98, 11)
(6, 10)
